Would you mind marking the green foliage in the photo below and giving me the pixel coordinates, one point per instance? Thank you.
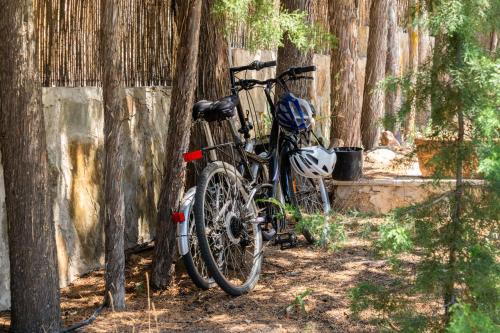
(367, 230)
(326, 229)
(390, 304)
(329, 234)
(395, 238)
(454, 235)
(299, 304)
(465, 319)
(139, 288)
(266, 25)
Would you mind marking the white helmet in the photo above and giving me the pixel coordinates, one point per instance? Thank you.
(313, 162)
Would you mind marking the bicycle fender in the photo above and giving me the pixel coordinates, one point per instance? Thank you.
(183, 227)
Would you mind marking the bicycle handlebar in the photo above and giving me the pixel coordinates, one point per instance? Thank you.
(298, 70)
(249, 83)
(238, 85)
(255, 65)
(292, 73)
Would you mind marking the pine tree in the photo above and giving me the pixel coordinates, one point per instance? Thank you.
(183, 93)
(34, 281)
(115, 133)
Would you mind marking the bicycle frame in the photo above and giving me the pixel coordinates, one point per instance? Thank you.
(278, 164)
(280, 142)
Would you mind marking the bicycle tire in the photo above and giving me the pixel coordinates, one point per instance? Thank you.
(188, 245)
(263, 177)
(219, 240)
(305, 195)
(300, 198)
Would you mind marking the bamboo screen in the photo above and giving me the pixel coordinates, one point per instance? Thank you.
(68, 42)
(68, 39)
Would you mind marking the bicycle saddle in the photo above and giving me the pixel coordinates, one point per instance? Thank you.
(219, 110)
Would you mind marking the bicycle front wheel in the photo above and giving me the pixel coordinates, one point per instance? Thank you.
(230, 239)
(306, 195)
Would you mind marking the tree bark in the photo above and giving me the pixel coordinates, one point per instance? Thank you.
(424, 42)
(345, 95)
(213, 69)
(213, 82)
(373, 99)
(493, 42)
(392, 68)
(424, 51)
(213, 59)
(409, 128)
(290, 56)
(34, 278)
(177, 143)
(115, 133)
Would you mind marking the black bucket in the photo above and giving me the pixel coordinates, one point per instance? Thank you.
(349, 164)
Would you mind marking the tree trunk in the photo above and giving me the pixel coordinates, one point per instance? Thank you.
(409, 128)
(493, 42)
(213, 82)
(290, 56)
(373, 99)
(424, 42)
(456, 229)
(115, 132)
(424, 51)
(213, 60)
(177, 143)
(34, 281)
(392, 68)
(213, 69)
(345, 97)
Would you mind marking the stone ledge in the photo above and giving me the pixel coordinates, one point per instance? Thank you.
(380, 196)
(404, 182)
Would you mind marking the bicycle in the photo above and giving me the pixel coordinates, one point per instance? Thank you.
(227, 218)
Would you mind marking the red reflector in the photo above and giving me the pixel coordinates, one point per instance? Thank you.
(193, 155)
(178, 217)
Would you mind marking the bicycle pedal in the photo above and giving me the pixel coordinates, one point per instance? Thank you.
(286, 240)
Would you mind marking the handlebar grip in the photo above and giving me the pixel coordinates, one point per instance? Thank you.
(254, 65)
(260, 65)
(300, 70)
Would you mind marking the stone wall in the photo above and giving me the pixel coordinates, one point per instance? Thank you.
(74, 129)
(380, 196)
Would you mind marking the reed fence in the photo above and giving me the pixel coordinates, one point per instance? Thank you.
(69, 34)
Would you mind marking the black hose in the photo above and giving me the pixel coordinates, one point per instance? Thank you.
(86, 322)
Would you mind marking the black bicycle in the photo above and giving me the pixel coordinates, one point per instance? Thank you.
(234, 204)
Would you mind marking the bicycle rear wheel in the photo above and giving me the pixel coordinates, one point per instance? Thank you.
(188, 245)
(230, 239)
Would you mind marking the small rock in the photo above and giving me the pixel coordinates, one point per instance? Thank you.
(388, 139)
(381, 156)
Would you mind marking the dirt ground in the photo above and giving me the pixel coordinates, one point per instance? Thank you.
(285, 274)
